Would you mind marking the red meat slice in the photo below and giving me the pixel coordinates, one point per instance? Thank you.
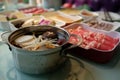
(99, 37)
(105, 47)
(73, 40)
(109, 43)
(39, 11)
(90, 45)
(112, 40)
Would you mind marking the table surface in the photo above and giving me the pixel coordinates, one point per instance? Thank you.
(110, 71)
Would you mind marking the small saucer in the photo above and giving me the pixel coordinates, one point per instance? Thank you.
(70, 70)
(78, 71)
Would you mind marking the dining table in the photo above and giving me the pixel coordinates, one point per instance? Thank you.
(88, 69)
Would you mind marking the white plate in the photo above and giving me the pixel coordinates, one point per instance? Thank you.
(116, 25)
(114, 16)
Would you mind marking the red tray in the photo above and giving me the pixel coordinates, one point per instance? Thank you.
(93, 55)
(99, 56)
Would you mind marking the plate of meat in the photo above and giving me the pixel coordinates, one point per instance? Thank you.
(97, 45)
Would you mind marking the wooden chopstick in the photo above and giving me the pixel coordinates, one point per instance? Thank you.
(107, 16)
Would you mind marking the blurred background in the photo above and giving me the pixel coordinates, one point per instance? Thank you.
(93, 5)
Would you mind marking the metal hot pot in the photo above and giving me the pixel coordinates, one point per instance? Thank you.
(37, 62)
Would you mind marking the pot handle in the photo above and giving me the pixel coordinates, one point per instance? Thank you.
(64, 51)
(4, 37)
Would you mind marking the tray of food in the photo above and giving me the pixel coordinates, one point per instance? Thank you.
(33, 10)
(35, 21)
(88, 14)
(97, 45)
(60, 16)
(12, 15)
(102, 25)
(85, 14)
(71, 11)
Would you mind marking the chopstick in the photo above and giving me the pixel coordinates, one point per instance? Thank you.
(107, 16)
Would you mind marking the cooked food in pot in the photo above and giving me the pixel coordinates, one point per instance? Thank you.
(44, 41)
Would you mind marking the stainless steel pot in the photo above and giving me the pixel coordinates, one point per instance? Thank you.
(37, 62)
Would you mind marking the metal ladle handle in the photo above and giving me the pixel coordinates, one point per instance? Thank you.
(64, 51)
